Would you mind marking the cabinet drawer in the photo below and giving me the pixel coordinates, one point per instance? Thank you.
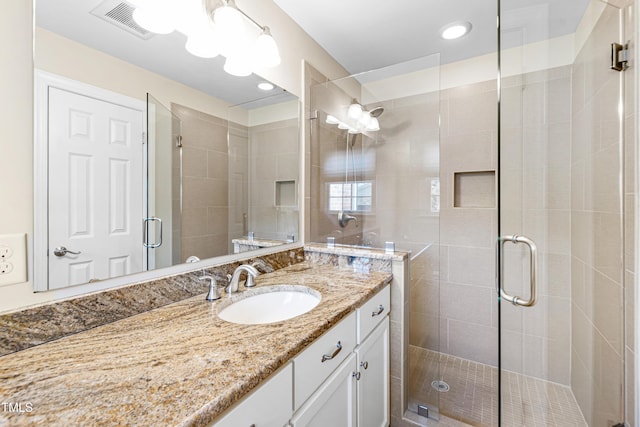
(315, 364)
(269, 405)
(372, 312)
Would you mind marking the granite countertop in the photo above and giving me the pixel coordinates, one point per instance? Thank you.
(179, 365)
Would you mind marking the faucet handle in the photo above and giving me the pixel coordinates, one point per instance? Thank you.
(214, 292)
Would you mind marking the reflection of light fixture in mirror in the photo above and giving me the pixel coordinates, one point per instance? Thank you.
(266, 50)
(156, 16)
(212, 28)
(354, 111)
(455, 30)
(265, 86)
(358, 119)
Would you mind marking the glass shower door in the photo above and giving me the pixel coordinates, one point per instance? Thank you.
(561, 218)
(162, 225)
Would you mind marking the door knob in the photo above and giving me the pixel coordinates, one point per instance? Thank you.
(62, 251)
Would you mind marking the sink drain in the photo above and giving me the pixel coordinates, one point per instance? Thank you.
(440, 386)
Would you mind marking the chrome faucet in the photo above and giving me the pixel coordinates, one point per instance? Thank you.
(263, 265)
(344, 219)
(214, 293)
(234, 280)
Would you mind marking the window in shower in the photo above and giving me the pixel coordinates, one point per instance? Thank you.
(352, 196)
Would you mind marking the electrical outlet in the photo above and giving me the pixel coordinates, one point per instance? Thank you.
(13, 259)
(6, 267)
(5, 252)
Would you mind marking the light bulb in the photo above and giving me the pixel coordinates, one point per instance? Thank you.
(202, 47)
(266, 86)
(156, 16)
(203, 41)
(354, 111)
(374, 125)
(455, 30)
(343, 126)
(353, 131)
(228, 18)
(238, 65)
(266, 50)
(364, 119)
(331, 120)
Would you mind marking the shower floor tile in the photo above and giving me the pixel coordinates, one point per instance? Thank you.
(472, 395)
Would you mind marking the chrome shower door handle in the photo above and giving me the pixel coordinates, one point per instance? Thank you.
(533, 271)
(145, 230)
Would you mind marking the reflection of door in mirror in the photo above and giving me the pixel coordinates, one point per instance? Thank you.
(93, 185)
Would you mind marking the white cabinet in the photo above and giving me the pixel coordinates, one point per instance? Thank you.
(267, 406)
(334, 403)
(373, 383)
(357, 393)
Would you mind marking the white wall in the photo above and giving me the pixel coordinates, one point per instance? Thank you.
(58, 55)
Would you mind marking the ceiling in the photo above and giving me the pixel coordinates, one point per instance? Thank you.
(359, 35)
(162, 54)
(364, 36)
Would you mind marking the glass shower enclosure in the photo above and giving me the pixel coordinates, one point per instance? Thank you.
(515, 197)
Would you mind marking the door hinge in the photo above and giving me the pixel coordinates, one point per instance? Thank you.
(144, 138)
(619, 56)
(179, 141)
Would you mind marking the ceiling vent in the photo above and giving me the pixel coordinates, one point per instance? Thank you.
(120, 14)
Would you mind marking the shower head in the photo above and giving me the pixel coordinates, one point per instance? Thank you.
(376, 112)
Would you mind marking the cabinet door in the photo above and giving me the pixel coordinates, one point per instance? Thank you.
(334, 402)
(268, 406)
(373, 385)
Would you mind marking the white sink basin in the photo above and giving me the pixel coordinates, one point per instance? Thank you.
(270, 304)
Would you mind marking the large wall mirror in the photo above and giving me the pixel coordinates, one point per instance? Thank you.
(148, 157)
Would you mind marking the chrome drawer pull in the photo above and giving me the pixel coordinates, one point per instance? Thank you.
(326, 357)
(380, 310)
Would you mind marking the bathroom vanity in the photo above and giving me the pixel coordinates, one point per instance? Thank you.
(341, 379)
(182, 365)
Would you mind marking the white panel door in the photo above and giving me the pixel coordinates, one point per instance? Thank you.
(95, 189)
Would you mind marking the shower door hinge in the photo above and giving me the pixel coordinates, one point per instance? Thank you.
(144, 138)
(313, 115)
(179, 141)
(619, 56)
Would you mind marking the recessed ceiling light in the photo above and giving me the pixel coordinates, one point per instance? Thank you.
(265, 86)
(455, 30)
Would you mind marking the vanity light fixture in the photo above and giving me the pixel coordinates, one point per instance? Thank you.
(212, 27)
(455, 30)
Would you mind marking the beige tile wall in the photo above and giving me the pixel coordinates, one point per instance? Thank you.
(205, 184)
(274, 157)
(597, 282)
